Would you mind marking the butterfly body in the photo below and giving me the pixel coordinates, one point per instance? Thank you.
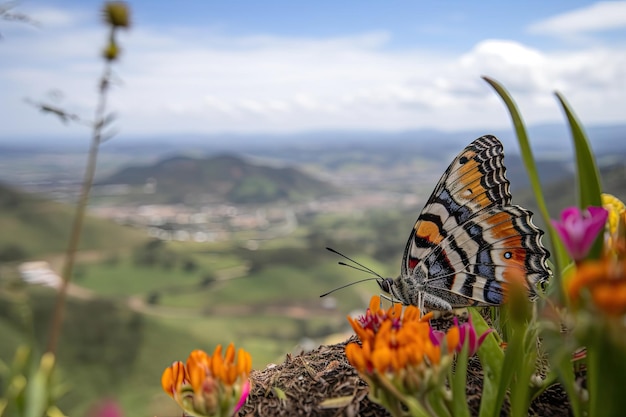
(469, 239)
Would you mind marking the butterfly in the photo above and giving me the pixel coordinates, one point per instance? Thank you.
(469, 239)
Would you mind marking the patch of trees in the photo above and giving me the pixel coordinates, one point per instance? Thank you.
(296, 257)
(12, 253)
(156, 254)
(95, 332)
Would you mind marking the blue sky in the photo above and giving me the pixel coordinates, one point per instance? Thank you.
(204, 67)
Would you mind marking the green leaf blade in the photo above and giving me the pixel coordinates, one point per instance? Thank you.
(587, 175)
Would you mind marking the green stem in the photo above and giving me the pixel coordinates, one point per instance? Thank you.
(436, 404)
(606, 376)
(393, 398)
(79, 215)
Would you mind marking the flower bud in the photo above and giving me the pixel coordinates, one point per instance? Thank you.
(116, 14)
(111, 52)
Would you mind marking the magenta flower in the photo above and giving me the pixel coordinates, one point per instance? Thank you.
(245, 391)
(579, 229)
(467, 332)
(106, 408)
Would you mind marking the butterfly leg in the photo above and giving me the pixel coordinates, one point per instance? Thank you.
(461, 313)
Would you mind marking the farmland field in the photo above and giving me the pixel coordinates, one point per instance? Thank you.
(144, 304)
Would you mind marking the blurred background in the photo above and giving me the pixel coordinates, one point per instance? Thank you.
(252, 135)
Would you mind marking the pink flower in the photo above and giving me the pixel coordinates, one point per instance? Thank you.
(467, 332)
(578, 230)
(245, 391)
(106, 408)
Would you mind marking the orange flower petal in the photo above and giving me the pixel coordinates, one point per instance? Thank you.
(229, 356)
(173, 377)
(610, 298)
(167, 382)
(217, 351)
(383, 340)
(381, 359)
(411, 313)
(244, 362)
(217, 366)
(415, 356)
(197, 376)
(230, 375)
(198, 358)
(400, 358)
(433, 353)
(426, 317)
(395, 310)
(355, 356)
(453, 338)
(606, 282)
(375, 304)
(360, 331)
(586, 274)
(366, 349)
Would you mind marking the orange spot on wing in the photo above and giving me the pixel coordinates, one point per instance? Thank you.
(428, 231)
(469, 183)
(471, 163)
(503, 231)
(483, 200)
(503, 227)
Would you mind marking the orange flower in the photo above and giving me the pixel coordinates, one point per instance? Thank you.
(209, 385)
(606, 282)
(390, 340)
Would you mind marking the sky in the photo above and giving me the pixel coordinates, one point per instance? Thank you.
(282, 67)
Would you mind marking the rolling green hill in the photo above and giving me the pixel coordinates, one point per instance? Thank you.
(31, 226)
(224, 177)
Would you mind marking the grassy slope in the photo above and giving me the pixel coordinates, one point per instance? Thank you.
(42, 227)
(214, 318)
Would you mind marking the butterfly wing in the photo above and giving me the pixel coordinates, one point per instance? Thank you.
(469, 238)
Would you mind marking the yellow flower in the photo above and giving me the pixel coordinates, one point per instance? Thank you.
(615, 234)
(616, 209)
(215, 385)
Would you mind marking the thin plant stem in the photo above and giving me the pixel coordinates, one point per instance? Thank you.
(81, 207)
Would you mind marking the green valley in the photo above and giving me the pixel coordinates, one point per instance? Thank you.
(138, 303)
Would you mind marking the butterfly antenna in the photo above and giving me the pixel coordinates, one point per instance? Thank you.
(362, 268)
(347, 285)
(357, 268)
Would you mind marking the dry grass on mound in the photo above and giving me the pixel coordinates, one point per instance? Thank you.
(299, 385)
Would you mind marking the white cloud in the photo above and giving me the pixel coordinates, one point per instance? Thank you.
(597, 17)
(192, 80)
(49, 17)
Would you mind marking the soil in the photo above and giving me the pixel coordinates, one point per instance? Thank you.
(300, 385)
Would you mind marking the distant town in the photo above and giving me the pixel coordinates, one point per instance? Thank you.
(218, 222)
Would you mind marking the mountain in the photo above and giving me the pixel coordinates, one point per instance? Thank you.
(223, 177)
(32, 226)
